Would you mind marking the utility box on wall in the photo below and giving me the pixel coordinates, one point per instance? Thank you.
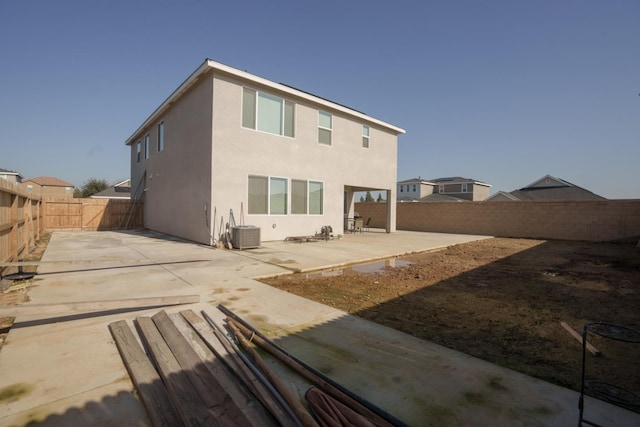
(245, 237)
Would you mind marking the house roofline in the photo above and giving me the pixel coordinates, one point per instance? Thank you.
(209, 64)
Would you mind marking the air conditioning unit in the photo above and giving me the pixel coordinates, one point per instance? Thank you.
(245, 237)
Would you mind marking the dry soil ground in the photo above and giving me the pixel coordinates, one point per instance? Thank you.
(502, 300)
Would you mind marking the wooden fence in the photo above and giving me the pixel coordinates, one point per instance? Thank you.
(23, 217)
(20, 221)
(91, 214)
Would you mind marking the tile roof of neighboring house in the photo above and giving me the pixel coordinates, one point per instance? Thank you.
(551, 188)
(121, 190)
(436, 197)
(2, 170)
(556, 193)
(49, 181)
(458, 179)
(414, 180)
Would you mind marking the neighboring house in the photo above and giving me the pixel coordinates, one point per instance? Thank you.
(546, 188)
(47, 186)
(412, 190)
(454, 189)
(281, 159)
(121, 190)
(11, 176)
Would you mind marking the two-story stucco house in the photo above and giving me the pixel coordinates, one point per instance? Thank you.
(452, 189)
(282, 159)
(48, 186)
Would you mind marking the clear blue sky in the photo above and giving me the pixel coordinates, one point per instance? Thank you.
(504, 92)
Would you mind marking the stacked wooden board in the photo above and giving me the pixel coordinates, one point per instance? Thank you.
(188, 372)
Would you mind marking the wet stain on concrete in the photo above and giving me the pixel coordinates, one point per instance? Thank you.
(495, 383)
(244, 289)
(258, 318)
(14, 391)
(473, 398)
(234, 298)
(435, 415)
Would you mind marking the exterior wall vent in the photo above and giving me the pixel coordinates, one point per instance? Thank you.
(245, 237)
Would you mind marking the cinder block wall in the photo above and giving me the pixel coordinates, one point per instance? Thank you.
(568, 220)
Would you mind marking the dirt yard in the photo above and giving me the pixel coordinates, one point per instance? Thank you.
(502, 300)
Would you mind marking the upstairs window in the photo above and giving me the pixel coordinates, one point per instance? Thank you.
(365, 136)
(138, 151)
(160, 136)
(146, 146)
(325, 126)
(267, 113)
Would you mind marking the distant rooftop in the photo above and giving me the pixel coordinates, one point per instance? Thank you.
(50, 181)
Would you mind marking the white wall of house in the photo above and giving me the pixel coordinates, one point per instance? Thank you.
(209, 156)
(240, 152)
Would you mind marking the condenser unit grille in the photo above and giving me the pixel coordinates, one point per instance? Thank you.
(245, 237)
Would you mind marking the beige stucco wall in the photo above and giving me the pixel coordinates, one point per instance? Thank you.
(239, 152)
(178, 179)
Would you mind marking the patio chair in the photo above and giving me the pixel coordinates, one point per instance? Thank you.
(366, 224)
(358, 224)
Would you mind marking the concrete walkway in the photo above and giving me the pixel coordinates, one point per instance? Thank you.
(66, 370)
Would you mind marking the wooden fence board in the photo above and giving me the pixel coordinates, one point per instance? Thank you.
(92, 214)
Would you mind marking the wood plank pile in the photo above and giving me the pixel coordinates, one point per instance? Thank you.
(190, 371)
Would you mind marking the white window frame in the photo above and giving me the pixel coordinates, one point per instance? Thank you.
(286, 196)
(441, 188)
(288, 205)
(464, 188)
(147, 140)
(287, 125)
(326, 130)
(309, 182)
(366, 132)
(161, 136)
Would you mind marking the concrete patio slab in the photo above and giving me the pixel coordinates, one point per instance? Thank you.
(66, 370)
